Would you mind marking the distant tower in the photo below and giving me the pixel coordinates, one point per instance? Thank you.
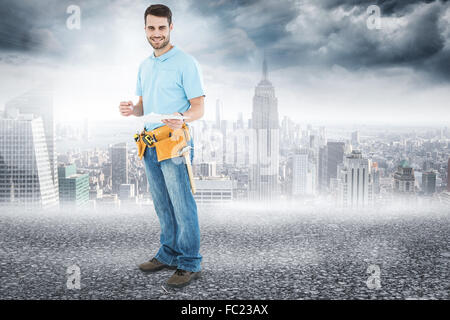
(335, 156)
(119, 161)
(355, 139)
(264, 172)
(303, 173)
(219, 113)
(376, 178)
(323, 169)
(429, 182)
(404, 179)
(448, 175)
(355, 183)
(240, 121)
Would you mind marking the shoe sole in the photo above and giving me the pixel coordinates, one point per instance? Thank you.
(159, 268)
(195, 276)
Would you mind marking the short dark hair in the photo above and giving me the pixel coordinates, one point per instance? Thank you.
(158, 10)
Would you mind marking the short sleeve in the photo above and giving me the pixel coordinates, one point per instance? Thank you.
(193, 80)
(138, 84)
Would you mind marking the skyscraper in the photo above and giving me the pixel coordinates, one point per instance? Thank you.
(355, 183)
(264, 172)
(323, 168)
(39, 102)
(448, 175)
(240, 121)
(73, 187)
(219, 113)
(335, 156)
(119, 163)
(303, 173)
(404, 179)
(429, 182)
(376, 178)
(25, 171)
(355, 139)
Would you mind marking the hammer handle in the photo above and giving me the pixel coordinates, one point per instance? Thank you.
(189, 168)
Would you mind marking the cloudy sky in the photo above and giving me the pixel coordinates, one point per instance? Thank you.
(326, 60)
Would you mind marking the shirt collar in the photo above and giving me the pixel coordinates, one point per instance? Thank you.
(166, 55)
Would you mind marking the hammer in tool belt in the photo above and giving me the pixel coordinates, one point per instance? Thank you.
(185, 153)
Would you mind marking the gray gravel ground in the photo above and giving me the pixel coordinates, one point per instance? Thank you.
(248, 253)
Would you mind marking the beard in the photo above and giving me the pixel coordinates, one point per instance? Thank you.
(160, 45)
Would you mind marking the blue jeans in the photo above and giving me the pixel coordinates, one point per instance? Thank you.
(176, 210)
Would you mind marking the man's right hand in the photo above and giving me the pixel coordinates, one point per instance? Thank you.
(126, 108)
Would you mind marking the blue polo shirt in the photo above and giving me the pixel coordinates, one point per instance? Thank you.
(167, 83)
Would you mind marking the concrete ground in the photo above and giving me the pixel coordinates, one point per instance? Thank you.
(248, 253)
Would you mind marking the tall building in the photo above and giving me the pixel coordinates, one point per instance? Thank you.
(119, 164)
(355, 183)
(228, 143)
(322, 136)
(355, 139)
(448, 175)
(25, 167)
(240, 121)
(303, 173)
(219, 113)
(73, 187)
(39, 102)
(404, 179)
(429, 182)
(207, 169)
(335, 156)
(376, 178)
(264, 172)
(322, 168)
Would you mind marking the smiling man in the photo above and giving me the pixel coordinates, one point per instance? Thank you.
(170, 82)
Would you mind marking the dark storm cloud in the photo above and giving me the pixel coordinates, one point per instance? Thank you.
(40, 26)
(316, 33)
(28, 25)
(414, 34)
(388, 7)
(264, 21)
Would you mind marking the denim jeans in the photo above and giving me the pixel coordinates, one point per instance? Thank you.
(176, 210)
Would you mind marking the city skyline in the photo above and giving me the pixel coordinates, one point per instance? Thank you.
(312, 165)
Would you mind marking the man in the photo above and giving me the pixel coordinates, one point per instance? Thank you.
(170, 82)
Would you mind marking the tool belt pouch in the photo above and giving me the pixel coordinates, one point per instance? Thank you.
(168, 147)
(141, 148)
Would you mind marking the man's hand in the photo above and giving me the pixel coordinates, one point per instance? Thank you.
(173, 123)
(126, 108)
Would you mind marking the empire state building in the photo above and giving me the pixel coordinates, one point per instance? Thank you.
(264, 171)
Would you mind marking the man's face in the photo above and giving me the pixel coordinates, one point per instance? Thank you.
(157, 31)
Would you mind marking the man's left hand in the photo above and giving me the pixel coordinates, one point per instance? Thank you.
(173, 123)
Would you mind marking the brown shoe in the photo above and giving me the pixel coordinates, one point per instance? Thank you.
(182, 278)
(154, 265)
